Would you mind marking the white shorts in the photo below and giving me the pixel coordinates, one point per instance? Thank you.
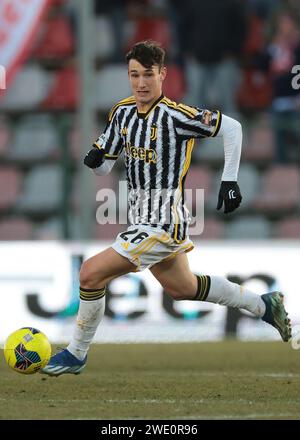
(145, 245)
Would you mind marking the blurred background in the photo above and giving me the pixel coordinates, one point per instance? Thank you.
(56, 103)
(65, 69)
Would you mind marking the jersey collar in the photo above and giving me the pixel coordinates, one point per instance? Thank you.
(146, 114)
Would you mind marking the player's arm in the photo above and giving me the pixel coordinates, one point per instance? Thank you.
(231, 131)
(106, 150)
(203, 123)
(99, 161)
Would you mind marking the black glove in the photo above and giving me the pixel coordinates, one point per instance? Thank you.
(231, 196)
(94, 157)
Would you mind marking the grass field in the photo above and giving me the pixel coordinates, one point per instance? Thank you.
(222, 380)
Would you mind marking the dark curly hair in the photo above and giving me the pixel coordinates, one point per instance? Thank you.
(147, 53)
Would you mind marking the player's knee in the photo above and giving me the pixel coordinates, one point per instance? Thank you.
(85, 276)
(177, 294)
(88, 278)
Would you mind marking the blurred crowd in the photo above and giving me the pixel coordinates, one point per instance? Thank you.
(235, 55)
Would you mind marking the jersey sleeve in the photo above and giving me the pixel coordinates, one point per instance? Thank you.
(193, 122)
(111, 140)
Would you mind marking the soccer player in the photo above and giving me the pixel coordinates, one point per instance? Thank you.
(157, 136)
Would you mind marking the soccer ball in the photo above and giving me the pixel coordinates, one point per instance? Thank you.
(27, 350)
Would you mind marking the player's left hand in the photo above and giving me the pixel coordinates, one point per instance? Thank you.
(231, 196)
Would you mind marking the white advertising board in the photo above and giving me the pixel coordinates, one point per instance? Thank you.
(39, 288)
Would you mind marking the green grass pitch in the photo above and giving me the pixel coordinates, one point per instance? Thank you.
(221, 380)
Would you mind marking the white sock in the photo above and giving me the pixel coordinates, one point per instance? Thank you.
(89, 316)
(231, 294)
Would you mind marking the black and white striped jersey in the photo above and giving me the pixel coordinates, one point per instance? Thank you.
(157, 149)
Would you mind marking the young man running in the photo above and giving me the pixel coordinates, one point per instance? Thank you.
(157, 136)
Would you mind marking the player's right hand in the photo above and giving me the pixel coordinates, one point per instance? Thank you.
(94, 157)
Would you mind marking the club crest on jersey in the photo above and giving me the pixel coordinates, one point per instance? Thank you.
(206, 117)
(148, 155)
(153, 134)
(124, 131)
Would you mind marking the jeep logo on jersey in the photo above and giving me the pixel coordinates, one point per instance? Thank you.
(148, 155)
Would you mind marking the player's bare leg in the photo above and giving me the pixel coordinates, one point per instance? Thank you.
(95, 273)
(100, 269)
(180, 283)
(176, 277)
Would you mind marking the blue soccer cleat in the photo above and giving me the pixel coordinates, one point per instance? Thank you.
(276, 314)
(64, 362)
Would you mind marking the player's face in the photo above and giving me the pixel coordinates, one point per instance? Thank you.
(146, 83)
